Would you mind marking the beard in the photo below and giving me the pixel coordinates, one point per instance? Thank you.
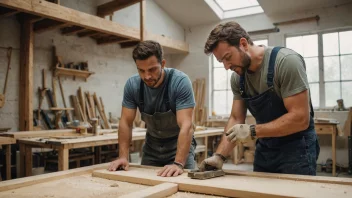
(245, 63)
(153, 81)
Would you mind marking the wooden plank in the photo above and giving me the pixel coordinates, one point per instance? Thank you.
(68, 115)
(129, 44)
(111, 39)
(91, 104)
(142, 10)
(76, 107)
(305, 178)
(48, 24)
(26, 76)
(28, 181)
(6, 12)
(100, 110)
(174, 46)
(232, 186)
(158, 191)
(112, 6)
(42, 133)
(87, 33)
(74, 17)
(7, 140)
(82, 102)
(72, 30)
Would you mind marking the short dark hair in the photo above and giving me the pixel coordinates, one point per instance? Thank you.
(146, 49)
(231, 32)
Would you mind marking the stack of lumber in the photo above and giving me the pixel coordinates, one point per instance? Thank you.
(88, 107)
(200, 112)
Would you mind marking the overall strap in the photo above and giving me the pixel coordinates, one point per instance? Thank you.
(271, 69)
(242, 81)
(141, 96)
(166, 93)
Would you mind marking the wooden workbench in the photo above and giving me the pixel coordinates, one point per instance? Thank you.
(63, 145)
(96, 181)
(5, 143)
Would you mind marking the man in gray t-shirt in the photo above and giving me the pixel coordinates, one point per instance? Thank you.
(270, 82)
(165, 99)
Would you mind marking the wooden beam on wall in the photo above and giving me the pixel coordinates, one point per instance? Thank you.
(112, 6)
(60, 13)
(71, 30)
(129, 44)
(142, 18)
(26, 76)
(87, 33)
(6, 12)
(108, 40)
(48, 24)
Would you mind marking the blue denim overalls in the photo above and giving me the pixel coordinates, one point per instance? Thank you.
(293, 154)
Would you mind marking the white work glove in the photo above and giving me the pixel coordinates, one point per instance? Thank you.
(213, 162)
(239, 133)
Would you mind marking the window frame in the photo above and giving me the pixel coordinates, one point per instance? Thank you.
(322, 99)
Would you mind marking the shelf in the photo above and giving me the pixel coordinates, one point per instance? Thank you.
(50, 16)
(72, 72)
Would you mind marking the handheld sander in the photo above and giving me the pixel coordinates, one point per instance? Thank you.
(210, 172)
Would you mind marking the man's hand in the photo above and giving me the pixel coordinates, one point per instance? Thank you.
(170, 171)
(239, 133)
(213, 161)
(119, 163)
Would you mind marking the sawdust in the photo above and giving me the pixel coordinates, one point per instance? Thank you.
(78, 187)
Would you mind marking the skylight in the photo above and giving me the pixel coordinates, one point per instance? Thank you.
(234, 8)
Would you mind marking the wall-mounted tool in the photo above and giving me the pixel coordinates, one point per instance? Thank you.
(2, 96)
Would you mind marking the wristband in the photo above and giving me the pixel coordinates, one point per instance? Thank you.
(221, 156)
(179, 164)
(253, 132)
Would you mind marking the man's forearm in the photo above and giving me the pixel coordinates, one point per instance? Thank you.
(225, 147)
(285, 125)
(184, 143)
(125, 136)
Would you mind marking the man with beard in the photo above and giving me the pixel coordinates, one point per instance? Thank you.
(165, 99)
(272, 83)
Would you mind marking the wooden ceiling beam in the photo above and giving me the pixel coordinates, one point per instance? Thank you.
(48, 24)
(109, 39)
(112, 6)
(6, 12)
(129, 44)
(88, 33)
(72, 30)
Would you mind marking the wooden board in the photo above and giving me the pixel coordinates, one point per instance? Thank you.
(232, 186)
(157, 191)
(7, 140)
(43, 133)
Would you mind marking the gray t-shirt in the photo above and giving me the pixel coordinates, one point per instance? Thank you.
(180, 93)
(290, 76)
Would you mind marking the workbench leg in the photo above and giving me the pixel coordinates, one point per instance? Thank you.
(63, 159)
(29, 161)
(206, 147)
(8, 161)
(97, 152)
(334, 152)
(22, 160)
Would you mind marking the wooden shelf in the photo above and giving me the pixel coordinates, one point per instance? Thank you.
(47, 16)
(72, 72)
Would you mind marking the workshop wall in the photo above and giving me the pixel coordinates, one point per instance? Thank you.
(197, 65)
(111, 64)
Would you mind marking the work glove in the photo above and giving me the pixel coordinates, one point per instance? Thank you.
(214, 162)
(239, 133)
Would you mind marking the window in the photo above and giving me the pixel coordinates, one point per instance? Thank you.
(222, 96)
(307, 47)
(332, 78)
(234, 8)
(337, 56)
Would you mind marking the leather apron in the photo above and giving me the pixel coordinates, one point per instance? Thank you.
(160, 144)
